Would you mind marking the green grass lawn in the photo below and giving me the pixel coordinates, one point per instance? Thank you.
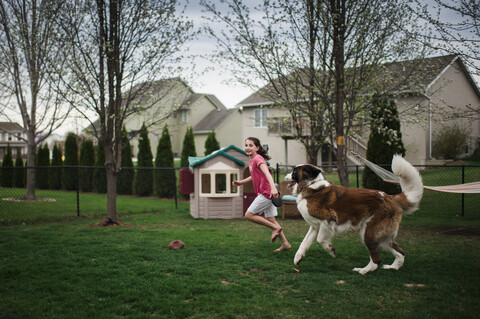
(64, 206)
(228, 270)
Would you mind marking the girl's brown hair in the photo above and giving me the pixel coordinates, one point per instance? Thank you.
(261, 150)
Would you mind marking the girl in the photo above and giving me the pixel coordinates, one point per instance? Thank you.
(265, 190)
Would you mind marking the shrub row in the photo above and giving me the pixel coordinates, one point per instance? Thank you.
(58, 173)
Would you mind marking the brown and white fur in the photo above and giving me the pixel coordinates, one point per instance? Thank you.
(330, 210)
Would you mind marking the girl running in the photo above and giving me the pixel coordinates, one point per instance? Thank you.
(265, 189)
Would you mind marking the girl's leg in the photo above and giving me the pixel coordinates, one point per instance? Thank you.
(276, 228)
(285, 244)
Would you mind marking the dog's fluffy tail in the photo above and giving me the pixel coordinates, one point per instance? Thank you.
(410, 181)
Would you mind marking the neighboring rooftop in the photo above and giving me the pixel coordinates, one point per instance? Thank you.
(411, 76)
(9, 126)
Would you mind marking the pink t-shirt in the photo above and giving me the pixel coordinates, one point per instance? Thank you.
(259, 180)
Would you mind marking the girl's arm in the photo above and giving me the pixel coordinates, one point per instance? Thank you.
(243, 181)
(264, 169)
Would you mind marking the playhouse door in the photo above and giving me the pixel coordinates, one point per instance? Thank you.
(248, 198)
(248, 192)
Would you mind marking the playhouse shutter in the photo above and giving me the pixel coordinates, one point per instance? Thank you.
(186, 182)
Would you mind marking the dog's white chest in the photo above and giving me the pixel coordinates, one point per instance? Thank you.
(302, 208)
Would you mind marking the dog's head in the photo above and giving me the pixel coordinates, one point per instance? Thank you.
(306, 173)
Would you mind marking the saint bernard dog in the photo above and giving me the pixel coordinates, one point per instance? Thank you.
(330, 210)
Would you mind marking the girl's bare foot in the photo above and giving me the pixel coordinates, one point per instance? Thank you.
(275, 233)
(283, 247)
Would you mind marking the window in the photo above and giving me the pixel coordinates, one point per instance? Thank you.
(184, 117)
(280, 125)
(218, 183)
(261, 117)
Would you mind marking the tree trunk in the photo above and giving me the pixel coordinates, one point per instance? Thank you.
(339, 12)
(312, 153)
(31, 153)
(111, 193)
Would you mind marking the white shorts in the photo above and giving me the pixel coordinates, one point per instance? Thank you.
(261, 204)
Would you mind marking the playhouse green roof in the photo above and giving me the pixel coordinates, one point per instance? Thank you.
(194, 161)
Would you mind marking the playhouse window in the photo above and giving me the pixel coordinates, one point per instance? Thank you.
(218, 184)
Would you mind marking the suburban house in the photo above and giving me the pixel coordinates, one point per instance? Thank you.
(172, 102)
(430, 94)
(14, 135)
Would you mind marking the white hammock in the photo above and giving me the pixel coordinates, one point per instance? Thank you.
(389, 177)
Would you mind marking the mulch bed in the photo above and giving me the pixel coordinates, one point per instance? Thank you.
(109, 222)
(23, 200)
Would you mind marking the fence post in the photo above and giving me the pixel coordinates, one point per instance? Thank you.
(175, 185)
(358, 184)
(78, 192)
(277, 173)
(463, 194)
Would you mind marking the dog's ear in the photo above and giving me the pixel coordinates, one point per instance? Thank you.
(294, 175)
(311, 172)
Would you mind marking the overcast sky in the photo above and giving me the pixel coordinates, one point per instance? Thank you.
(208, 77)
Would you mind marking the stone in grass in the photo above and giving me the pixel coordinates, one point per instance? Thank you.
(176, 244)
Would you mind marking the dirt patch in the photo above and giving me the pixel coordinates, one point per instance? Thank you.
(461, 231)
(110, 222)
(24, 200)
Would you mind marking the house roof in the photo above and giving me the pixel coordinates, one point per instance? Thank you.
(143, 91)
(413, 76)
(211, 121)
(9, 126)
(195, 161)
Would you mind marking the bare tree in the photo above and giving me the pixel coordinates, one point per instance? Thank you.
(117, 48)
(29, 46)
(456, 26)
(316, 56)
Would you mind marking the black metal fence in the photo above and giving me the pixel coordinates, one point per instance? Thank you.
(61, 204)
(57, 200)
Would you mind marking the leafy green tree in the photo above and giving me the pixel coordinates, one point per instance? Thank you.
(144, 177)
(127, 174)
(19, 173)
(55, 175)
(69, 174)
(99, 172)
(211, 144)
(165, 178)
(385, 141)
(87, 158)
(188, 147)
(7, 170)
(43, 163)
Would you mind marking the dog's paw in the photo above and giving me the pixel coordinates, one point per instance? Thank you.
(370, 267)
(392, 266)
(298, 258)
(361, 271)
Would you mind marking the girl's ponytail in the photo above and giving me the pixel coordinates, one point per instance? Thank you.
(261, 150)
